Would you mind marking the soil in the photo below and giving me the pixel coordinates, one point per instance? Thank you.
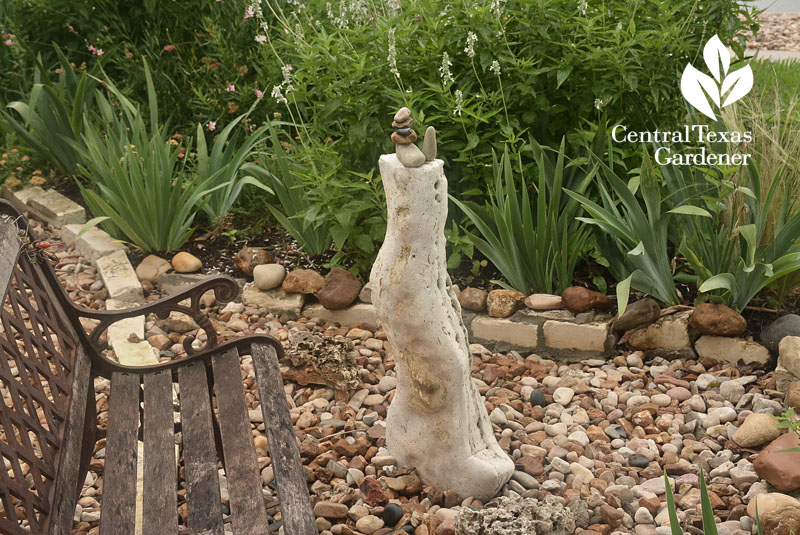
(217, 252)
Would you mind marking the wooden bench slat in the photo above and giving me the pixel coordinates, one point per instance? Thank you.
(296, 512)
(160, 499)
(248, 512)
(118, 511)
(76, 441)
(203, 504)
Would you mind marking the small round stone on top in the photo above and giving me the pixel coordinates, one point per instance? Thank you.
(402, 114)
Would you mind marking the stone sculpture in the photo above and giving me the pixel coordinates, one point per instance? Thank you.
(437, 422)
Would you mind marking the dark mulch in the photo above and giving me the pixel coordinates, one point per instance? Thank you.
(217, 252)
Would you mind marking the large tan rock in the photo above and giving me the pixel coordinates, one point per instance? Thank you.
(437, 422)
(757, 429)
(770, 501)
(789, 354)
(783, 521)
(503, 303)
(184, 262)
(152, 267)
(793, 396)
(268, 276)
(303, 281)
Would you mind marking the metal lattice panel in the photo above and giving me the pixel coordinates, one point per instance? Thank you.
(35, 379)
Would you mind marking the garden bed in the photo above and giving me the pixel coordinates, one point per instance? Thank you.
(597, 435)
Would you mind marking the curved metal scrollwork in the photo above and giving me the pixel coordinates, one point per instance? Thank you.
(225, 290)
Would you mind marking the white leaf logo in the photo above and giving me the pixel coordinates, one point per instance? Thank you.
(698, 87)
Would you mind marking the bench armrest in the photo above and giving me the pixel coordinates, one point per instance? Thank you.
(225, 290)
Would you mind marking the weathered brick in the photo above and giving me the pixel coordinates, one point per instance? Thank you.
(119, 277)
(505, 330)
(129, 353)
(586, 337)
(726, 349)
(93, 244)
(56, 209)
(667, 335)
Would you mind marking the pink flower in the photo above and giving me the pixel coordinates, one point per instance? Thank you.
(169, 48)
(286, 31)
(259, 94)
(95, 51)
(249, 13)
(231, 88)
(212, 125)
(289, 67)
(9, 42)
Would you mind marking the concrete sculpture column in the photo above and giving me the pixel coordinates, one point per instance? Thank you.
(437, 422)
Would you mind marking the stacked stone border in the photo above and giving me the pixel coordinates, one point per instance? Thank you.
(556, 334)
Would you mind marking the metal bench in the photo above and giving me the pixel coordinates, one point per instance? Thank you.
(48, 427)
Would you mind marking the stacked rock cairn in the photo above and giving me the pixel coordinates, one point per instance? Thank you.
(404, 137)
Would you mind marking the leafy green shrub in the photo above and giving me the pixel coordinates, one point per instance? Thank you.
(535, 244)
(323, 206)
(750, 238)
(634, 240)
(224, 166)
(138, 187)
(759, 262)
(483, 73)
(196, 50)
(53, 117)
(281, 171)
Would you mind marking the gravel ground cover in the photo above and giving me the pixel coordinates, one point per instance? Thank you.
(778, 31)
(596, 436)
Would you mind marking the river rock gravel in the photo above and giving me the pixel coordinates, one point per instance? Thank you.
(597, 438)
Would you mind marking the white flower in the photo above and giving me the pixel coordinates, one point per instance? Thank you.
(471, 39)
(495, 67)
(582, 6)
(459, 102)
(598, 104)
(392, 58)
(444, 70)
(277, 94)
(497, 7)
(287, 78)
(261, 38)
